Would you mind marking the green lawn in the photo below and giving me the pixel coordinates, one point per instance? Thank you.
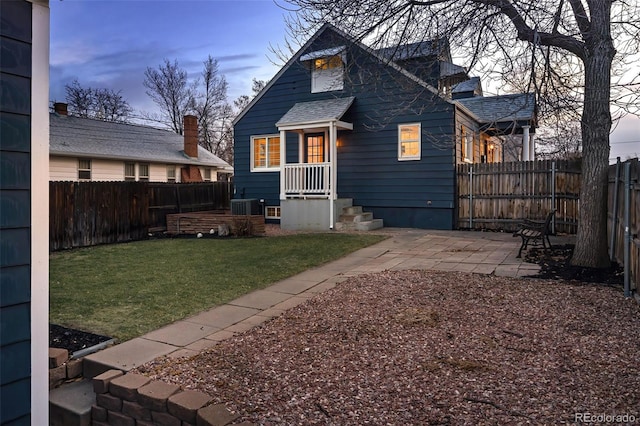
(126, 290)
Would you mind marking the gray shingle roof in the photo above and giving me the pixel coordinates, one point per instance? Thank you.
(316, 111)
(492, 109)
(415, 50)
(84, 137)
(466, 86)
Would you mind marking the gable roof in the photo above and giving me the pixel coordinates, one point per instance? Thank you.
(504, 108)
(85, 137)
(297, 56)
(316, 111)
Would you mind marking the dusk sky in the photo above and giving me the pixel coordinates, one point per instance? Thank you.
(109, 44)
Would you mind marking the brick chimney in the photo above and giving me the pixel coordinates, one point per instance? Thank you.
(60, 108)
(191, 136)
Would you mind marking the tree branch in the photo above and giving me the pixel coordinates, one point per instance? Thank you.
(526, 33)
(582, 19)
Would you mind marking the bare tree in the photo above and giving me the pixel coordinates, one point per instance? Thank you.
(211, 106)
(205, 97)
(79, 99)
(242, 101)
(169, 88)
(109, 105)
(491, 33)
(102, 104)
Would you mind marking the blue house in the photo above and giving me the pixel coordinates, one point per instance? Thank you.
(343, 129)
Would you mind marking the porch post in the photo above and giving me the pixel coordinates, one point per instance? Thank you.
(525, 143)
(283, 161)
(333, 154)
(532, 147)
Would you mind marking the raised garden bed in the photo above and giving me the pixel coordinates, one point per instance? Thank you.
(209, 223)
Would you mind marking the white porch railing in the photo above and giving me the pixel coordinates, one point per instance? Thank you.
(302, 179)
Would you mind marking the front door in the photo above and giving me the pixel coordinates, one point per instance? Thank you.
(314, 148)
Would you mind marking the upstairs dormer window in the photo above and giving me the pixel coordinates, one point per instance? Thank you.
(327, 69)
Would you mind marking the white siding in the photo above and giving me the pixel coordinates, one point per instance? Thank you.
(107, 170)
(63, 168)
(66, 169)
(158, 172)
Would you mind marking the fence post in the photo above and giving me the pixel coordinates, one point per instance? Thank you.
(553, 196)
(614, 219)
(470, 197)
(627, 233)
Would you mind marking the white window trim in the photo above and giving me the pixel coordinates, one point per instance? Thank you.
(466, 139)
(328, 80)
(263, 169)
(409, 157)
(278, 211)
(147, 177)
(174, 177)
(90, 170)
(131, 177)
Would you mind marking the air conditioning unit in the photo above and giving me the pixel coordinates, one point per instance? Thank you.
(245, 207)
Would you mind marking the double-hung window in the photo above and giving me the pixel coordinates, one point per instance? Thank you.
(129, 171)
(265, 153)
(84, 169)
(143, 170)
(327, 74)
(466, 139)
(171, 173)
(409, 142)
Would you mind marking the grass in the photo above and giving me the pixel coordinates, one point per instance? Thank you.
(127, 290)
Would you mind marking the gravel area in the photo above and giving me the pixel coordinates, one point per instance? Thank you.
(426, 348)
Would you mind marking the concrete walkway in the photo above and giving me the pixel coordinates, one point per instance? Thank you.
(478, 252)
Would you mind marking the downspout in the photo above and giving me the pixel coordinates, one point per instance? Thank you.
(333, 173)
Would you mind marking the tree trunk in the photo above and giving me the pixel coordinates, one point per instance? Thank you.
(591, 241)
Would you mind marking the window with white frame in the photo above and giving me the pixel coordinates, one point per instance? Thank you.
(327, 74)
(129, 171)
(143, 170)
(207, 174)
(272, 212)
(84, 169)
(171, 173)
(265, 153)
(409, 142)
(466, 139)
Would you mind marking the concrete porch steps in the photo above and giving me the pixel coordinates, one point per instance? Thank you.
(353, 218)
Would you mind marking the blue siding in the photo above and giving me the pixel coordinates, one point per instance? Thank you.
(15, 212)
(368, 168)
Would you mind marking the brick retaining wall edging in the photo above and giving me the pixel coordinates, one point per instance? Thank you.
(135, 400)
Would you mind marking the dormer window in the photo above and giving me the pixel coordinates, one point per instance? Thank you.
(327, 69)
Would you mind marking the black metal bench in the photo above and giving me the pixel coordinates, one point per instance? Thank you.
(534, 232)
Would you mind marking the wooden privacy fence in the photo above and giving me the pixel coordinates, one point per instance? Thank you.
(499, 195)
(624, 214)
(90, 213)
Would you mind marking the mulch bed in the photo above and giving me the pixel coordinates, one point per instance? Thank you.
(73, 340)
(556, 264)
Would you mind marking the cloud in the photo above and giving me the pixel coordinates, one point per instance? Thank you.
(239, 69)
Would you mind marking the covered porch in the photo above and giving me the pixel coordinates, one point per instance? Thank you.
(308, 187)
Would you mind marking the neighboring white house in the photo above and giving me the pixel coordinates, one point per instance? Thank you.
(84, 149)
